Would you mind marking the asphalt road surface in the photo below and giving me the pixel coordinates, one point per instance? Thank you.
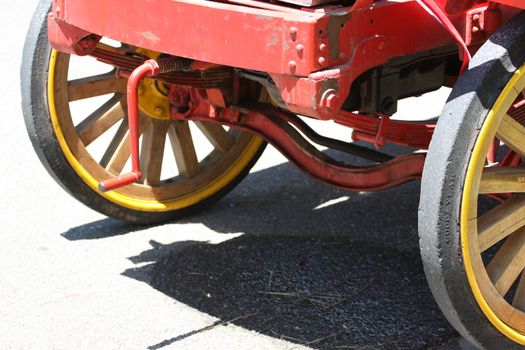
(282, 262)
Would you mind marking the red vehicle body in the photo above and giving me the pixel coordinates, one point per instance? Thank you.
(261, 66)
(313, 55)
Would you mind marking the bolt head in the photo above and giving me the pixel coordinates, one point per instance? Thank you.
(330, 100)
(300, 50)
(159, 111)
(322, 47)
(292, 66)
(321, 60)
(293, 33)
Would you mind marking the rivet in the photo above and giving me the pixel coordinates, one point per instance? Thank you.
(300, 50)
(159, 111)
(322, 47)
(293, 33)
(321, 60)
(475, 17)
(475, 29)
(292, 65)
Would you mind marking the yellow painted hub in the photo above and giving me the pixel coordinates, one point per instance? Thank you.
(153, 100)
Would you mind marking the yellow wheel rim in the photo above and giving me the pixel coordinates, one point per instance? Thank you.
(490, 280)
(139, 196)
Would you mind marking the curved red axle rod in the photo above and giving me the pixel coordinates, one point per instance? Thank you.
(272, 125)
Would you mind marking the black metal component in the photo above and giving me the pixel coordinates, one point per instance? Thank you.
(174, 64)
(339, 145)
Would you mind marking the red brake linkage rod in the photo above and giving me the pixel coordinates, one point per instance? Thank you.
(433, 9)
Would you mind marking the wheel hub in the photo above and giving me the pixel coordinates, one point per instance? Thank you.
(153, 99)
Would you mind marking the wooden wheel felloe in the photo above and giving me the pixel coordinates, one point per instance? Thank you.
(473, 249)
(181, 172)
(494, 242)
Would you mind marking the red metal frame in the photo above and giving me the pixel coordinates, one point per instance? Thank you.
(273, 125)
(312, 55)
(307, 51)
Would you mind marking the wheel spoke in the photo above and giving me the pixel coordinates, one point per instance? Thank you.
(183, 149)
(102, 119)
(502, 180)
(117, 160)
(512, 134)
(152, 151)
(115, 143)
(508, 263)
(215, 133)
(97, 85)
(519, 297)
(501, 221)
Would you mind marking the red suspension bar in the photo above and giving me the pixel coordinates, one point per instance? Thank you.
(273, 126)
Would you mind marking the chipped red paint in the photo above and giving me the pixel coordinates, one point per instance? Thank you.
(306, 51)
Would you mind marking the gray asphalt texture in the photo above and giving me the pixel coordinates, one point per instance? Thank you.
(282, 262)
(345, 276)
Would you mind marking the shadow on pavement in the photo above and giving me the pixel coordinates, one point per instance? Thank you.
(314, 265)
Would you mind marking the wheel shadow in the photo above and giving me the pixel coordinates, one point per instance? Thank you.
(313, 265)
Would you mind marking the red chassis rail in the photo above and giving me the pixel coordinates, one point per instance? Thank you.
(309, 53)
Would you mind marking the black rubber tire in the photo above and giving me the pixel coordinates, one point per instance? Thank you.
(443, 180)
(34, 76)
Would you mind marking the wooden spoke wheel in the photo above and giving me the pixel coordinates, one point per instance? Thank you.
(185, 166)
(473, 248)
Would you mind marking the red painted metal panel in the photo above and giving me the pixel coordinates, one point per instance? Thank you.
(208, 31)
(372, 38)
(279, 40)
(308, 51)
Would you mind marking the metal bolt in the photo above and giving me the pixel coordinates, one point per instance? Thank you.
(475, 17)
(300, 50)
(292, 65)
(330, 100)
(321, 60)
(322, 47)
(475, 29)
(293, 33)
(159, 111)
